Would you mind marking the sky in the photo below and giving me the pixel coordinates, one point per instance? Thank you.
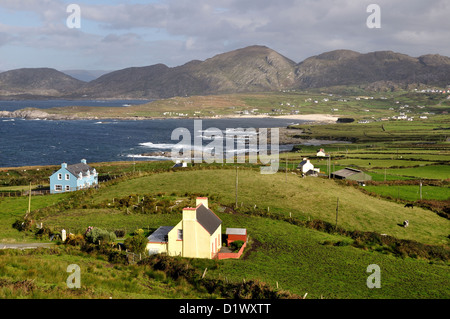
(115, 34)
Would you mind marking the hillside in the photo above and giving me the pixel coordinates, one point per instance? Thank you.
(252, 69)
(349, 68)
(246, 70)
(37, 82)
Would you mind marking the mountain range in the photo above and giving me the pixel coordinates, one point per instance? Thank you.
(250, 69)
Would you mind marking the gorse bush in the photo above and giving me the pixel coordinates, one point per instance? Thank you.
(75, 240)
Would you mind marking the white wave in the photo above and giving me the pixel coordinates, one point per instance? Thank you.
(106, 122)
(158, 145)
(167, 146)
(147, 156)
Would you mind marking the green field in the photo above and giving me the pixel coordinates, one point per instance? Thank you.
(411, 193)
(303, 261)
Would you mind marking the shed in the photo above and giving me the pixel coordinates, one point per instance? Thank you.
(157, 241)
(234, 234)
(351, 174)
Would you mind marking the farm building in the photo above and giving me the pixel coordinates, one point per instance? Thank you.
(307, 167)
(234, 234)
(71, 178)
(351, 174)
(197, 235)
(321, 153)
(157, 241)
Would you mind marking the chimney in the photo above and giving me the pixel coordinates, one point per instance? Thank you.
(189, 213)
(83, 161)
(64, 165)
(202, 200)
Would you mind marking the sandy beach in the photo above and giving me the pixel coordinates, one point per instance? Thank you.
(323, 118)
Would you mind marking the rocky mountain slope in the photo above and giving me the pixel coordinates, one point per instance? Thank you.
(251, 69)
(27, 82)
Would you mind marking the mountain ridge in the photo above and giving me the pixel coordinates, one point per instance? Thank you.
(254, 68)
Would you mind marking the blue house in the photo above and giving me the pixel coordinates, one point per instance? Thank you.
(71, 178)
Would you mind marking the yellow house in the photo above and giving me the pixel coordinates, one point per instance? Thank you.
(197, 235)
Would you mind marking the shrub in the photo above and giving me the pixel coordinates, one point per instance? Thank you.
(136, 243)
(23, 225)
(96, 234)
(117, 257)
(119, 233)
(75, 240)
(44, 233)
(236, 245)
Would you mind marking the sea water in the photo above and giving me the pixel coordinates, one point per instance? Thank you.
(47, 142)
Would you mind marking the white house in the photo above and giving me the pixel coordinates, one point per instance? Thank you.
(321, 153)
(307, 167)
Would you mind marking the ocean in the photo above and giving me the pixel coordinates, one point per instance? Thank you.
(46, 142)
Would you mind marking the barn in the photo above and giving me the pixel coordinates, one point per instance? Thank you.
(351, 174)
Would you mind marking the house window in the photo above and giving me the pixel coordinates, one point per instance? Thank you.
(67, 177)
(58, 188)
(180, 234)
(67, 187)
(59, 176)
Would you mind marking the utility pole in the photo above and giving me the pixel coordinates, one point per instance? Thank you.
(337, 211)
(29, 200)
(329, 166)
(420, 187)
(236, 204)
(286, 168)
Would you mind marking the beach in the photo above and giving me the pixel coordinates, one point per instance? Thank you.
(323, 118)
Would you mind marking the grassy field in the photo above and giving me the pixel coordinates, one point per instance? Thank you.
(298, 259)
(42, 274)
(411, 192)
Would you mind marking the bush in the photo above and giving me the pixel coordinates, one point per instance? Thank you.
(75, 240)
(23, 225)
(136, 243)
(97, 234)
(236, 245)
(117, 257)
(119, 233)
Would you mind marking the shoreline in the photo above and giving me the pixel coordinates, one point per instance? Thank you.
(34, 114)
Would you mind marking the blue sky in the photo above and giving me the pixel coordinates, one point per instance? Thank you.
(116, 34)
